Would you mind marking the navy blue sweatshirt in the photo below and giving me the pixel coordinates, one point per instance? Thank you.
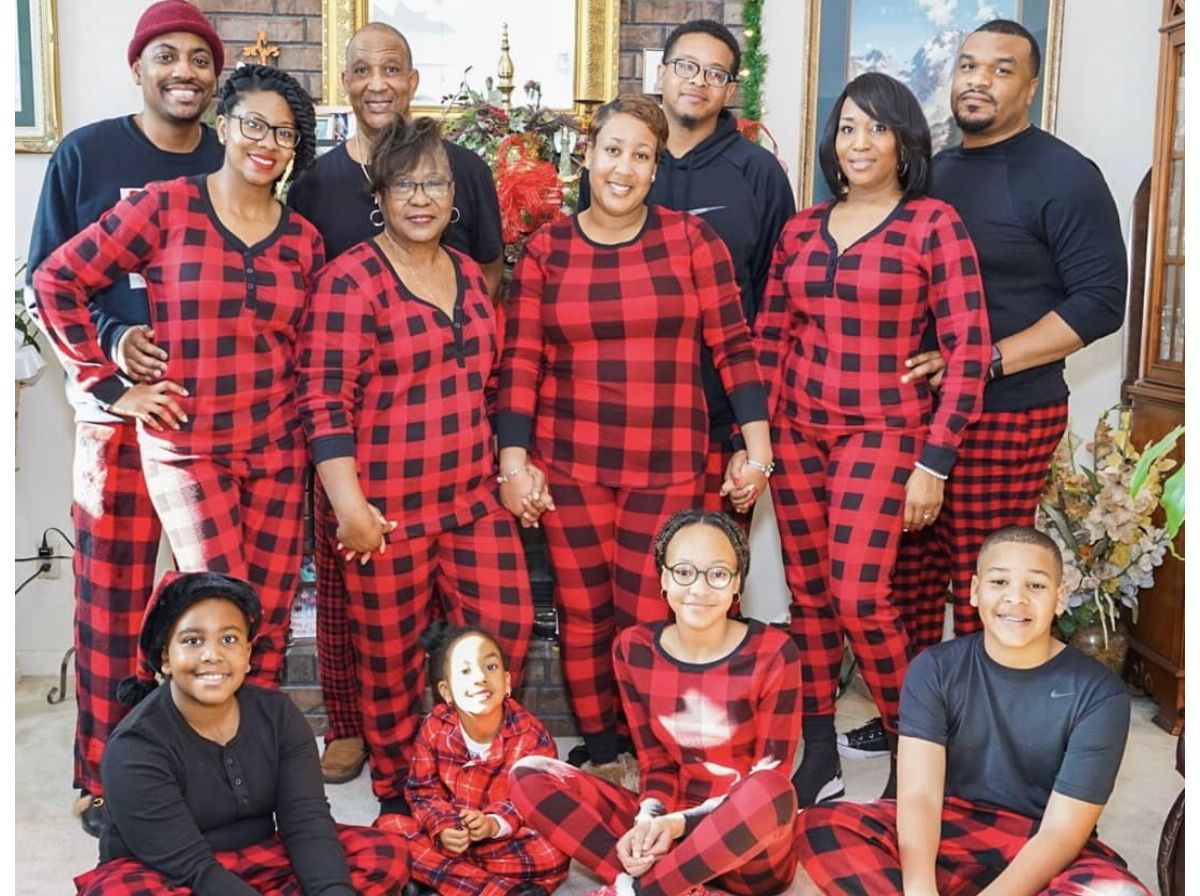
(1048, 237)
(742, 192)
(93, 167)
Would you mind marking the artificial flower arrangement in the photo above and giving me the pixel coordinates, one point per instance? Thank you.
(1104, 518)
(533, 153)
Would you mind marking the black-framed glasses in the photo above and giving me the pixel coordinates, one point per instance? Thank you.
(433, 187)
(254, 128)
(718, 577)
(687, 69)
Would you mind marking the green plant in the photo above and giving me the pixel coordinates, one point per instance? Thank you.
(1103, 516)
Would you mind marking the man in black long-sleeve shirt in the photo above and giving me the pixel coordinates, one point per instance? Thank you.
(1049, 242)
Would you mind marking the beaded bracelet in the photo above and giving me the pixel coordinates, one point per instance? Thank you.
(512, 474)
(766, 469)
(934, 473)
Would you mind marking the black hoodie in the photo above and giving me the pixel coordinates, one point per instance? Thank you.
(741, 191)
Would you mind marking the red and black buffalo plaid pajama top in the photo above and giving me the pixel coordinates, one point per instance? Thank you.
(714, 741)
(833, 337)
(445, 777)
(600, 379)
(390, 379)
(228, 485)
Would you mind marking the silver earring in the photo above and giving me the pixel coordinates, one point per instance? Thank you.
(376, 216)
(455, 214)
(902, 169)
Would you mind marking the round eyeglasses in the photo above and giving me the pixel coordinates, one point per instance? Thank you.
(433, 187)
(687, 69)
(256, 129)
(718, 577)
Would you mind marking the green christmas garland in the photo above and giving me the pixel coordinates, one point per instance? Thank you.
(754, 61)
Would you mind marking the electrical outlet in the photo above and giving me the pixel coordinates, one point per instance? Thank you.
(48, 562)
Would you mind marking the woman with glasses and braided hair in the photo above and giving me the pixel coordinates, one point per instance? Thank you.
(227, 270)
(396, 364)
(713, 705)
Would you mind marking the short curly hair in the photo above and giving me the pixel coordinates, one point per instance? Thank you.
(259, 78)
(636, 106)
(402, 146)
(692, 516)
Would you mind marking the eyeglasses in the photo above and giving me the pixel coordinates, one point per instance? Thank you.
(433, 187)
(686, 69)
(718, 577)
(256, 129)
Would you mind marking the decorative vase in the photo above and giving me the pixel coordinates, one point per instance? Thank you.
(1110, 652)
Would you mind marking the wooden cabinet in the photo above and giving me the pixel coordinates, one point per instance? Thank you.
(1154, 367)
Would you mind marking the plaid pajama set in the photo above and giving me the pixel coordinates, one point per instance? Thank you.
(445, 778)
(599, 378)
(393, 381)
(117, 532)
(228, 485)
(833, 336)
(701, 732)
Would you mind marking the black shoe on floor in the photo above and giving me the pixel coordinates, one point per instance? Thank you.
(412, 888)
(578, 755)
(819, 777)
(867, 741)
(94, 819)
(528, 890)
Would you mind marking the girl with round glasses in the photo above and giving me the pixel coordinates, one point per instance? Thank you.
(227, 269)
(713, 707)
(395, 366)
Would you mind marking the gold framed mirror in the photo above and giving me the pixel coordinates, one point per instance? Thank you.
(570, 47)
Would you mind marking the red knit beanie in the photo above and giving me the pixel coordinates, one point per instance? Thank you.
(176, 15)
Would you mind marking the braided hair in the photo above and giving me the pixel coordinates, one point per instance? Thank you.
(257, 78)
(695, 517)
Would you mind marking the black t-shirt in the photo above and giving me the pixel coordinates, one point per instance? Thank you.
(176, 797)
(1014, 735)
(333, 195)
(1048, 237)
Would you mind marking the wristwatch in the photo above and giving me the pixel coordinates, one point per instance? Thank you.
(996, 368)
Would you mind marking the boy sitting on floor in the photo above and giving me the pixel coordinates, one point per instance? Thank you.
(1009, 745)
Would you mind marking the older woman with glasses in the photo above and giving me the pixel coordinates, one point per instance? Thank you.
(396, 359)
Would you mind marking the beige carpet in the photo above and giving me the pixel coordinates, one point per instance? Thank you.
(51, 848)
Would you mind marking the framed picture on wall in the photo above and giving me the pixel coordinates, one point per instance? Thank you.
(915, 41)
(569, 47)
(38, 128)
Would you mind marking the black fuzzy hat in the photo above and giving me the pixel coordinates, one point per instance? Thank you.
(176, 592)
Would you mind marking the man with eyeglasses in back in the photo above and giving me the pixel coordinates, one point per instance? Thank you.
(738, 188)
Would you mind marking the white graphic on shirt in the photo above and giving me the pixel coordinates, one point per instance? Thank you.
(701, 723)
(705, 209)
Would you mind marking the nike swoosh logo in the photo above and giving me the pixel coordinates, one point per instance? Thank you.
(1054, 695)
(703, 209)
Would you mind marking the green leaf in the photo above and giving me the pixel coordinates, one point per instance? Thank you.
(1152, 452)
(1062, 525)
(1173, 503)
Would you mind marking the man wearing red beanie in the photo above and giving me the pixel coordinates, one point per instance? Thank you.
(175, 57)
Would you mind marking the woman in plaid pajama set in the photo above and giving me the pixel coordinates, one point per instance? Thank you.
(465, 836)
(600, 386)
(395, 362)
(227, 270)
(714, 708)
(861, 456)
(213, 783)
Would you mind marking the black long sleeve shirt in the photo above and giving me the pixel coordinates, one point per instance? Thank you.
(175, 797)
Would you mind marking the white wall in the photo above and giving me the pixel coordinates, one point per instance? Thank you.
(1106, 111)
(96, 83)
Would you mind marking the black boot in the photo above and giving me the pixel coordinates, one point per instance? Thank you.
(819, 776)
(889, 789)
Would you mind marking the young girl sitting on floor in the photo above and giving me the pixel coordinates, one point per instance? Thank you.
(465, 836)
(213, 785)
(713, 707)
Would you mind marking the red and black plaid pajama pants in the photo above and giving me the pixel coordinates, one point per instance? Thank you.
(839, 500)
(852, 849)
(486, 868)
(117, 534)
(378, 864)
(479, 572)
(600, 541)
(996, 482)
(746, 845)
(243, 515)
(337, 667)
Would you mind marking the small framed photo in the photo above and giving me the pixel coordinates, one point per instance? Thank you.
(651, 60)
(334, 125)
